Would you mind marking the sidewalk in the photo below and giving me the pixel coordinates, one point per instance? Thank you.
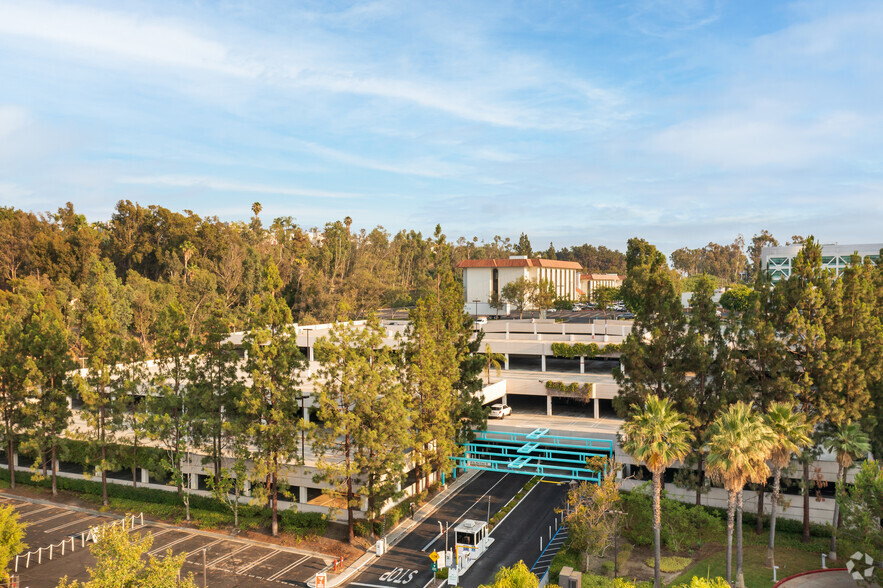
(402, 529)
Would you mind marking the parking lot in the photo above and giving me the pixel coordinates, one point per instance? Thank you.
(228, 561)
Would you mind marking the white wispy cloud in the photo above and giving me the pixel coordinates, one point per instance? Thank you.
(117, 36)
(205, 182)
(430, 168)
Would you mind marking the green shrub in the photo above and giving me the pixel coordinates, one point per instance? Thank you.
(362, 529)
(303, 524)
(670, 563)
(441, 574)
(705, 583)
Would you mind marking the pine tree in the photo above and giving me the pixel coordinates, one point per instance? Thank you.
(705, 357)
(271, 402)
(45, 340)
(172, 418)
(18, 377)
(103, 348)
(357, 443)
(215, 389)
(651, 359)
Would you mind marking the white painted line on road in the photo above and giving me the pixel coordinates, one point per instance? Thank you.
(70, 524)
(256, 562)
(32, 512)
(231, 554)
(165, 547)
(206, 546)
(454, 524)
(375, 585)
(287, 569)
(500, 523)
(63, 513)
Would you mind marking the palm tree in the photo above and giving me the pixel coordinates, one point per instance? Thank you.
(656, 436)
(792, 434)
(847, 442)
(492, 360)
(739, 442)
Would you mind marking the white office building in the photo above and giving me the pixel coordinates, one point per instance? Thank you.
(483, 277)
(778, 261)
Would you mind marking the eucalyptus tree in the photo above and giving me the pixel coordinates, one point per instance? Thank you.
(791, 433)
(656, 435)
(274, 364)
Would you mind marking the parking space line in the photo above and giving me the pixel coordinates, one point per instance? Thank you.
(256, 562)
(63, 513)
(33, 512)
(223, 557)
(70, 524)
(165, 547)
(198, 549)
(287, 569)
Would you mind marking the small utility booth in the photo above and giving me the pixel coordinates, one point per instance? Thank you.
(471, 540)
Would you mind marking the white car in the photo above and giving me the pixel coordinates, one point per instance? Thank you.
(499, 411)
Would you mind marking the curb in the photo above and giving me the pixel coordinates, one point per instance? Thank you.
(399, 532)
(163, 525)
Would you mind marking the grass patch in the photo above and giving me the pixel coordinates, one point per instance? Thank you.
(669, 563)
(791, 561)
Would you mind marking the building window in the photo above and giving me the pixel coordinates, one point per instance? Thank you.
(496, 285)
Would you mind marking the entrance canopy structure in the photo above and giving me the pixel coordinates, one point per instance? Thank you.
(534, 454)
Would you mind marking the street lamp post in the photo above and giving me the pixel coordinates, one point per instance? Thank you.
(476, 301)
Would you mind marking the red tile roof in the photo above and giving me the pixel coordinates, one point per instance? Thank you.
(601, 277)
(550, 263)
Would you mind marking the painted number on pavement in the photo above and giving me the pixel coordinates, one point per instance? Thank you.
(399, 576)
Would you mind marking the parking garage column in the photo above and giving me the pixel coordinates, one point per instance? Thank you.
(145, 476)
(506, 361)
(582, 364)
(597, 408)
(507, 330)
(543, 362)
(302, 498)
(549, 405)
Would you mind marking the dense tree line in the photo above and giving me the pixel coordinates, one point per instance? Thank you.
(144, 304)
(814, 340)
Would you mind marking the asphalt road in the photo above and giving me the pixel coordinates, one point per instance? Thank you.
(517, 537)
(407, 564)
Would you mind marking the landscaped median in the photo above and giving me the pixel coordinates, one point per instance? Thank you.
(501, 514)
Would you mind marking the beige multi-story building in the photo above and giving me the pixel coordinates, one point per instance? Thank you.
(483, 277)
(591, 282)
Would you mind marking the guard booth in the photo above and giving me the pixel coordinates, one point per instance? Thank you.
(471, 540)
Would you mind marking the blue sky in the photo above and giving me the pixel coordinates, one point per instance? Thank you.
(680, 121)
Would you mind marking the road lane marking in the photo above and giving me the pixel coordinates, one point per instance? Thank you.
(71, 524)
(165, 547)
(479, 499)
(229, 555)
(288, 568)
(256, 562)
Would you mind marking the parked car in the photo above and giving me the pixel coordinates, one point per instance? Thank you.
(479, 323)
(499, 411)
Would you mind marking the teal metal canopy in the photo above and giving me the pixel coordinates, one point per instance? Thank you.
(536, 454)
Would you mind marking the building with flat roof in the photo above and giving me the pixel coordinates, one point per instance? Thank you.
(591, 282)
(484, 277)
(778, 261)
